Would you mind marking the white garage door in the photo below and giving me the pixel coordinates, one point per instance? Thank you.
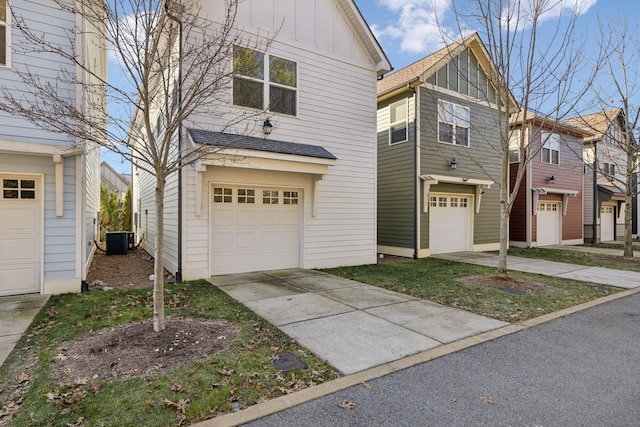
(548, 223)
(20, 236)
(607, 221)
(450, 223)
(254, 229)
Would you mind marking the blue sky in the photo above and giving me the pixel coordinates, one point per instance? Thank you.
(407, 31)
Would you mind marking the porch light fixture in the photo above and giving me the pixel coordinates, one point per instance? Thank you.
(452, 163)
(552, 179)
(267, 127)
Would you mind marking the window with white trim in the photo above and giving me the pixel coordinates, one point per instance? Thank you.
(222, 195)
(398, 123)
(550, 148)
(246, 196)
(609, 169)
(18, 189)
(290, 198)
(270, 197)
(4, 34)
(259, 77)
(514, 146)
(453, 123)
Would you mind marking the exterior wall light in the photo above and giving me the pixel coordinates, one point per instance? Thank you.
(452, 163)
(267, 127)
(552, 179)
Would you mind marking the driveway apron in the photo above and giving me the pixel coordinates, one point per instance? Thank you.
(16, 314)
(351, 325)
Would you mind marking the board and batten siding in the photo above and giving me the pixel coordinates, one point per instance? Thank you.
(396, 180)
(481, 160)
(91, 202)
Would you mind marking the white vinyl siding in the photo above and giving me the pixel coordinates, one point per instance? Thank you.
(336, 111)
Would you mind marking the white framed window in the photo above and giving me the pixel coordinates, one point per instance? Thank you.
(290, 197)
(18, 189)
(222, 195)
(454, 202)
(609, 169)
(398, 122)
(264, 81)
(4, 33)
(453, 123)
(270, 197)
(550, 148)
(246, 196)
(433, 201)
(464, 202)
(514, 146)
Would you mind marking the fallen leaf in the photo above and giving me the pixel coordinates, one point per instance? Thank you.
(488, 399)
(347, 404)
(367, 385)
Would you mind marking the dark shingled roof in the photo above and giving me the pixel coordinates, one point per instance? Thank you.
(227, 140)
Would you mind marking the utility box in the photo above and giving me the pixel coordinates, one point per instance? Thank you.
(117, 243)
(131, 239)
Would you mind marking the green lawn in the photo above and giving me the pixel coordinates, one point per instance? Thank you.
(580, 258)
(436, 280)
(239, 376)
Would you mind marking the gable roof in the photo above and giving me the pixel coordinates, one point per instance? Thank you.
(597, 123)
(425, 67)
(549, 122)
(228, 140)
(365, 34)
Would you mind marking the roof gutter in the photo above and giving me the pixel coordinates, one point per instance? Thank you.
(402, 87)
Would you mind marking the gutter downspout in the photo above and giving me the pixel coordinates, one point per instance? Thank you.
(178, 274)
(416, 193)
(596, 211)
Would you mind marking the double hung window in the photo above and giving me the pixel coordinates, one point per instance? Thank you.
(453, 123)
(264, 81)
(398, 122)
(550, 148)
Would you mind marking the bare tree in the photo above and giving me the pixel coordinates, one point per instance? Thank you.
(173, 64)
(615, 92)
(539, 70)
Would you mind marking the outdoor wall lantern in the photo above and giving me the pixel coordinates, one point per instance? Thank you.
(552, 179)
(267, 127)
(452, 163)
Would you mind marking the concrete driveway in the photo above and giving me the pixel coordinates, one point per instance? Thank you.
(351, 325)
(16, 314)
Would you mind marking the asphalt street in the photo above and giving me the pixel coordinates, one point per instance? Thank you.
(580, 370)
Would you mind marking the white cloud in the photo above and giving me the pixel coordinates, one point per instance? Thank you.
(418, 25)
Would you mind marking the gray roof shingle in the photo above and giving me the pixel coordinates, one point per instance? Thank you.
(227, 140)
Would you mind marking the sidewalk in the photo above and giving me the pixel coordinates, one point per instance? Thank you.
(592, 250)
(16, 314)
(583, 273)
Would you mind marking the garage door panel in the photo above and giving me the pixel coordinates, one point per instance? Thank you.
(20, 236)
(260, 234)
(548, 224)
(607, 221)
(450, 223)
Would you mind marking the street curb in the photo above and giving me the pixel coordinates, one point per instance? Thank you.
(281, 403)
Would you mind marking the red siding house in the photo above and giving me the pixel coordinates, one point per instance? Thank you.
(548, 207)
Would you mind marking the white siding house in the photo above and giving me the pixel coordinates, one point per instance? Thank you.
(50, 183)
(305, 194)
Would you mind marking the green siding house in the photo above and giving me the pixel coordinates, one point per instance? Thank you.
(439, 155)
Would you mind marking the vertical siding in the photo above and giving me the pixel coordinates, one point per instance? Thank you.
(481, 160)
(396, 182)
(92, 198)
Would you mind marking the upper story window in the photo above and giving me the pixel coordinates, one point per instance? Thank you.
(550, 148)
(453, 123)
(609, 169)
(514, 146)
(398, 128)
(4, 33)
(264, 81)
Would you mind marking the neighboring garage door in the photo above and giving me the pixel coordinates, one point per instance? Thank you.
(548, 223)
(254, 229)
(20, 236)
(607, 221)
(450, 223)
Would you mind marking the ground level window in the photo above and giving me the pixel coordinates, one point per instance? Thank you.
(19, 189)
(246, 196)
(222, 195)
(290, 198)
(270, 197)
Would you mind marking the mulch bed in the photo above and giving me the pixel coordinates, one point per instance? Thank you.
(508, 283)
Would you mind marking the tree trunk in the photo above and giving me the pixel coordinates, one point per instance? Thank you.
(158, 269)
